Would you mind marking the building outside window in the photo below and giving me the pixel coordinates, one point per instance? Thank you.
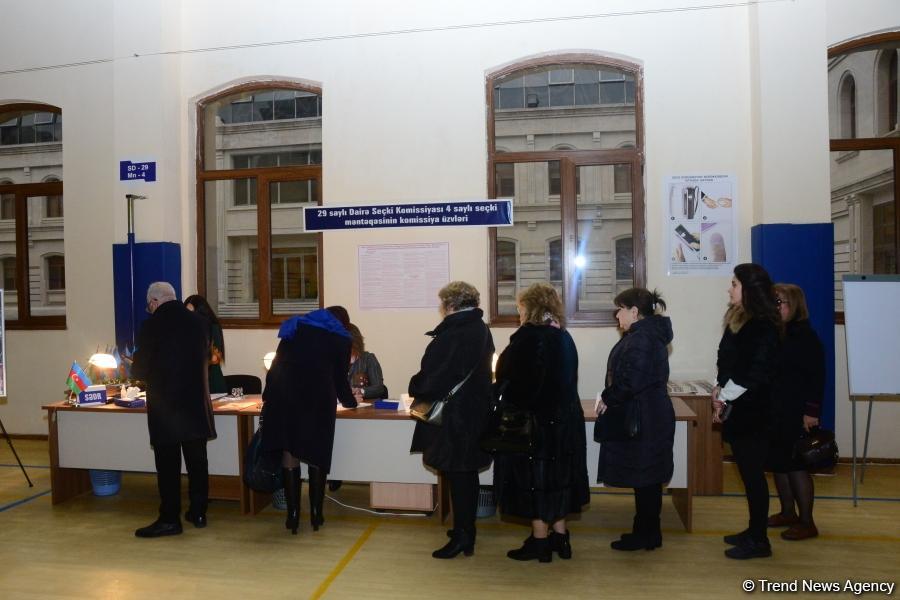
(862, 100)
(565, 143)
(31, 216)
(260, 165)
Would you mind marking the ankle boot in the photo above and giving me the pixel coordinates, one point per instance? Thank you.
(533, 548)
(461, 541)
(292, 498)
(316, 496)
(637, 541)
(559, 543)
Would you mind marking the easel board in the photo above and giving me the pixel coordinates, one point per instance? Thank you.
(872, 331)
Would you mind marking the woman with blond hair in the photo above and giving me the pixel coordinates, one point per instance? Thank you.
(539, 370)
(459, 353)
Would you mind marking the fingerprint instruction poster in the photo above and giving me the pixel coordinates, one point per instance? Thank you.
(700, 224)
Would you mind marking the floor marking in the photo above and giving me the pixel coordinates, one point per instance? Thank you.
(23, 501)
(342, 564)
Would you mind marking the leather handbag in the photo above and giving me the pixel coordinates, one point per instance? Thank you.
(817, 449)
(510, 429)
(432, 411)
(262, 469)
(619, 423)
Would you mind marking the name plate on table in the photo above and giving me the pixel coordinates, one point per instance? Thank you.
(94, 394)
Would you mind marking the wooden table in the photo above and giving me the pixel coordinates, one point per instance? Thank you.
(708, 460)
(110, 437)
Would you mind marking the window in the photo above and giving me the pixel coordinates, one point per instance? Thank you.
(260, 165)
(31, 191)
(571, 137)
(862, 83)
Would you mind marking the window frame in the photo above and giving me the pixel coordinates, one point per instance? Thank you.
(569, 161)
(885, 142)
(263, 176)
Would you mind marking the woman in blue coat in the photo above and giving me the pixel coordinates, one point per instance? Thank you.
(637, 371)
(309, 371)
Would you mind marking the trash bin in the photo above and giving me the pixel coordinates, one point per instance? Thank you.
(105, 483)
(278, 500)
(487, 504)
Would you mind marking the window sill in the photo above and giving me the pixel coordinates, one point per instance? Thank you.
(845, 156)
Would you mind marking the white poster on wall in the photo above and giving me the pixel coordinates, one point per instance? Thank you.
(701, 228)
(402, 275)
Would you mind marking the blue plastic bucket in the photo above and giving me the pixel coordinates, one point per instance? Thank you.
(105, 483)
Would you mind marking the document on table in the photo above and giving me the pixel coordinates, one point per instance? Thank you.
(341, 407)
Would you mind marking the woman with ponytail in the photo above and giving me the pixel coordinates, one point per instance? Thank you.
(637, 372)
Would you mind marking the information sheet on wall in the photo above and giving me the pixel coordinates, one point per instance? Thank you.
(700, 224)
(2, 343)
(402, 275)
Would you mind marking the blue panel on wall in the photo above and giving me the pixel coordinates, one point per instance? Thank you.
(153, 261)
(803, 254)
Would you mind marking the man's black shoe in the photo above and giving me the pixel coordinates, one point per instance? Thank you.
(158, 529)
(199, 521)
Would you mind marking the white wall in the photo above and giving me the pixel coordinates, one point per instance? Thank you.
(404, 119)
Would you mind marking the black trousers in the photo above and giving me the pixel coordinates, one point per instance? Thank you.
(750, 456)
(464, 498)
(168, 478)
(648, 505)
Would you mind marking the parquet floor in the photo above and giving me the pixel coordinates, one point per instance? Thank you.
(85, 548)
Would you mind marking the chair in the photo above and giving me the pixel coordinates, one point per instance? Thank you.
(250, 383)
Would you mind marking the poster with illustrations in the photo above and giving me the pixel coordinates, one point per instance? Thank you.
(700, 224)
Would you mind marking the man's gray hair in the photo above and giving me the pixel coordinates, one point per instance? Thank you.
(161, 291)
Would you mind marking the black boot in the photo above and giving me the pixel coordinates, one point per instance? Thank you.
(559, 543)
(637, 541)
(316, 496)
(292, 498)
(750, 548)
(736, 539)
(533, 548)
(461, 541)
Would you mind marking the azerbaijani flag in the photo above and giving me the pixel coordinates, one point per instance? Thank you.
(78, 381)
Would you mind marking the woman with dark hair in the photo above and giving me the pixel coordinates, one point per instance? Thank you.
(539, 372)
(366, 378)
(308, 372)
(637, 371)
(741, 400)
(797, 402)
(198, 304)
(460, 351)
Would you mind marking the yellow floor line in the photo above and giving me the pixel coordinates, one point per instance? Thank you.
(323, 587)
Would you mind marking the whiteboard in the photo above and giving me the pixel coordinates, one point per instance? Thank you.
(872, 331)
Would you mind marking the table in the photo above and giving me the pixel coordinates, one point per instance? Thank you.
(371, 445)
(111, 437)
(708, 459)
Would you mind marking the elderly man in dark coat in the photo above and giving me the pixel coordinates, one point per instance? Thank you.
(307, 378)
(171, 357)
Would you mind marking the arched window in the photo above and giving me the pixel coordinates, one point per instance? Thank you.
(260, 164)
(572, 133)
(862, 79)
(847, 106)
(506, 261)
(31, 190)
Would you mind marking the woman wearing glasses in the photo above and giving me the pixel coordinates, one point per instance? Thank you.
(797, 401)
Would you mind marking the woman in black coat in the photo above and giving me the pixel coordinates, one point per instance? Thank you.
(462, 347)
(199, 305)
(741, 400)
(308, 373)
(539, 372)
(637, 371)
(797, 402)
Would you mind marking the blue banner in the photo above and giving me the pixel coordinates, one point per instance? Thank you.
(479, 213)
(129, 171)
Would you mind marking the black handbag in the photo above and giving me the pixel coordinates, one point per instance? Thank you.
(262, 468)
(817, 449)
(432, 411)
(619, 423)
(510, 429)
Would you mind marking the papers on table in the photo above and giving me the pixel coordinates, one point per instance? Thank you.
(360, 405)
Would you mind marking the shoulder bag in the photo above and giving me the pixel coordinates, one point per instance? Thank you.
(262, 469)
(817, 450)
(510, 429)
(432, 411)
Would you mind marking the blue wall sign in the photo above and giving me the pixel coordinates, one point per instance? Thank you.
(129, 171)
(481, 213)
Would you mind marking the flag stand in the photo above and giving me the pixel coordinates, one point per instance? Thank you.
(16, 454)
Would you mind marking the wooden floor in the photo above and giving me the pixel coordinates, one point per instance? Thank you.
(86, 548)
